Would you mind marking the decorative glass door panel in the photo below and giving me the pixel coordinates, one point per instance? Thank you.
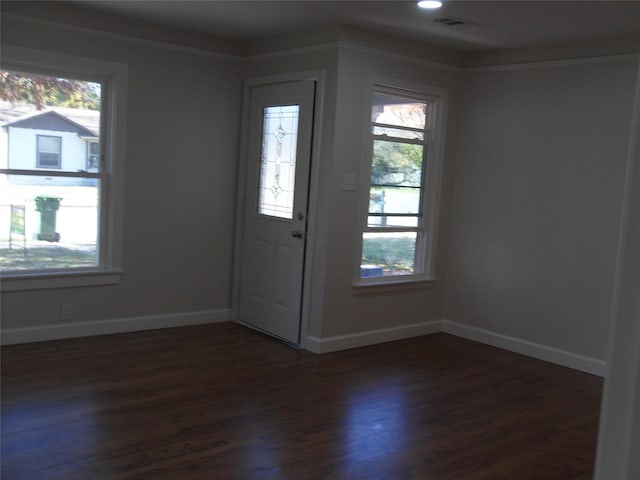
(278, 161)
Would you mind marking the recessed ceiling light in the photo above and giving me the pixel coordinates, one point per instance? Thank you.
(430, 4)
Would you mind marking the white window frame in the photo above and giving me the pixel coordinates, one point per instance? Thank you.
(113, 77)
(424, 269)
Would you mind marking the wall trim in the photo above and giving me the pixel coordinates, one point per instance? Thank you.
(11, 336)
(487, 337)
(318, 47)
(400, 57)
(349, 45)
(371, 337)
(525, 347)
(169, 45)
(562, 62)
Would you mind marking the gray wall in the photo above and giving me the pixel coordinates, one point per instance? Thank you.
(180, 170)
(538, 196)
(345, 310)
(619, 437)
(530, 212)
(335, 307)
(322, 59)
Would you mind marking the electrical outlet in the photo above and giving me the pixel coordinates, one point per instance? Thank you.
(66, 311)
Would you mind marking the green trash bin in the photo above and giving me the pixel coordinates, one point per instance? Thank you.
(48, 208)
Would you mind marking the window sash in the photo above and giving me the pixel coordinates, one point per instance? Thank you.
(419, 188)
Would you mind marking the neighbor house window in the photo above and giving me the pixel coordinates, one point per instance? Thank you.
(93, 154)
(59, 216)
(49, 151)
(403, 166)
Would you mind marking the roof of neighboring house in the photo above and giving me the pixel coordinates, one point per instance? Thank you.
(84, 122)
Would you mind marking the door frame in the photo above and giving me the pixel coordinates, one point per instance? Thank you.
(319, 77)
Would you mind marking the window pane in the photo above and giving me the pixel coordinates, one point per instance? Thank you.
(278, 157)
(398, 111)
(388, 254)
(391, 221)
(396, 163)
(48, 222)
(397, 133)
(49, 160)
(48, 144)
(48, 122)
(394, 200)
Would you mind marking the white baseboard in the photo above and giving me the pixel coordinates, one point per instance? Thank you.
(105, 327)
(370, 337)
(525, 347)
(513, 344)
(314, 344)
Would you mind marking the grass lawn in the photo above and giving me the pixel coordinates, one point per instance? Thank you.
(394, 255)
(45, 257)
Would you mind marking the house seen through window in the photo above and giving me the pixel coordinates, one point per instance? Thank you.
(395, 242)
(50, 176)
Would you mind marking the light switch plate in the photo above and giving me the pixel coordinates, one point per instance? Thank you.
(349, 182)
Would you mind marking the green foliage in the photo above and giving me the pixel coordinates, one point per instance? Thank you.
(394, 255)
(42, 91)
(396, 163)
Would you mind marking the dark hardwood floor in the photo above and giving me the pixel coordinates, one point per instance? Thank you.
(224, 402)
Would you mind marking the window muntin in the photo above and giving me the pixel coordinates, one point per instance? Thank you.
(395, 237)
(49, 151)
(64, 207)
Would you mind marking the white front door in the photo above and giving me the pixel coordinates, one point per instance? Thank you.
(275, 210)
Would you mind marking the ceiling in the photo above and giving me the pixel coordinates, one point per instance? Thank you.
(489, 25)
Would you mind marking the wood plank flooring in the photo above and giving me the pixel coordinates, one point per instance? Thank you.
(224, 402)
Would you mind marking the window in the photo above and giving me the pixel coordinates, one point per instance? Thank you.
(68, 202)
(403, 168)
(93, 154)
(49, 150)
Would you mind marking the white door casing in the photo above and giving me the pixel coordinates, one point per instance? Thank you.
(279, 137)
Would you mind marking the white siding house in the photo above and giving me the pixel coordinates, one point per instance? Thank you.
(51, 141)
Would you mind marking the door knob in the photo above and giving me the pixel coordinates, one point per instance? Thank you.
(296, 234)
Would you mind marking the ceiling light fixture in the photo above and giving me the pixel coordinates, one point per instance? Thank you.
(430, 4)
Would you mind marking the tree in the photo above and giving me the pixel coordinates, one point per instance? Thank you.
(42, 90)
(396, 163)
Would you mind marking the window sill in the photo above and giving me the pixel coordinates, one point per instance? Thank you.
(360, 288)
(15, 282)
